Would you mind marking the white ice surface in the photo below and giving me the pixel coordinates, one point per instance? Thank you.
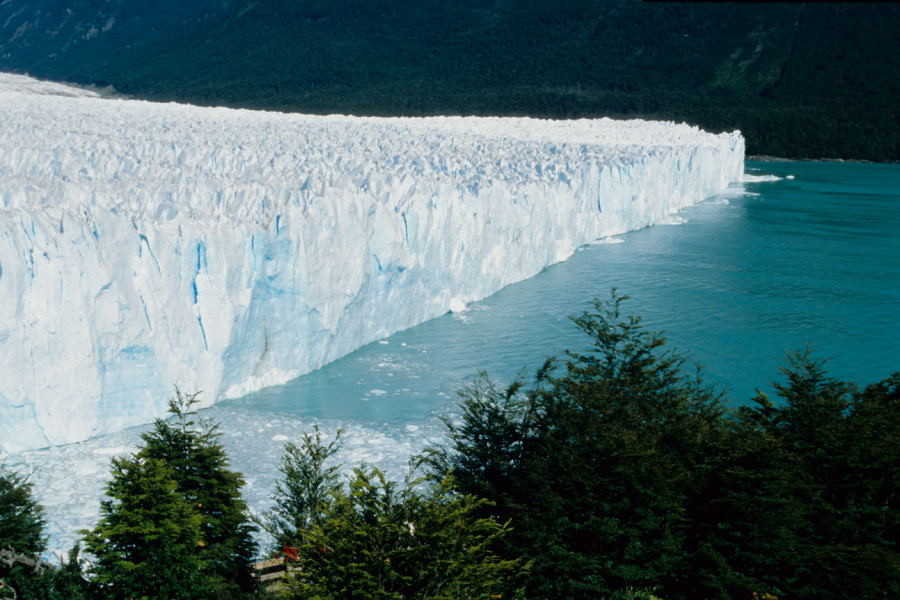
(149, 245)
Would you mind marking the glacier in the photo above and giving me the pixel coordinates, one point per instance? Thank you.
(145, 245)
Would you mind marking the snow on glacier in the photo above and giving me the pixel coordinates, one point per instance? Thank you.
(145, 245)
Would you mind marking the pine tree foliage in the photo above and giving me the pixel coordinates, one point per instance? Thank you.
(592, 465)
(870, 493)
(23, 572)
(145, 544)
(190, 448)
(47, 582)
(307, 485)
(622, 473)
(419, 539)
(848, 445)
(21, 533)
(746, 523)
(21, 517)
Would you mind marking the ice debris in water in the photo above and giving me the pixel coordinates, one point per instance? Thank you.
(68, 480)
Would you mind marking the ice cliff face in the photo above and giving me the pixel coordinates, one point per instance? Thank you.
(149, 245)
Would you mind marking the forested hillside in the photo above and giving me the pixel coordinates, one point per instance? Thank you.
(799, 79)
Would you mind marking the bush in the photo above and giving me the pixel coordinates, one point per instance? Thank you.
(380, 539)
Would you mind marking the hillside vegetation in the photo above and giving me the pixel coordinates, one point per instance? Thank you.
(800, 80)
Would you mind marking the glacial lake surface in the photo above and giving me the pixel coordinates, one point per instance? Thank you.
(810, 259)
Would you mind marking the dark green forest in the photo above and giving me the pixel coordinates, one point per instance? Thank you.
(615, 472)
(814, 80)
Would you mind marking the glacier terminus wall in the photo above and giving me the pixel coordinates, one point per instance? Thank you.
(146, 245)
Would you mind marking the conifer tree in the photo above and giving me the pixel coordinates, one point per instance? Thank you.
(21, 517)
(23, 573)
(871, 493)
(21, 533)
(200, 468)
(308, 484)
(419, 539)
(593, 463)
(746, 518)
(145, 544)
(848, 444)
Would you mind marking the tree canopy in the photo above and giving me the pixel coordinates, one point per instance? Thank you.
(622, 473)
(190, 448)
(21, 517)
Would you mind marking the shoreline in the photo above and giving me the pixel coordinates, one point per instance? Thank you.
(767, 158)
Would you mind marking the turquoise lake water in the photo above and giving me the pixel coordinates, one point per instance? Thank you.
(808, 261)
(765, 269)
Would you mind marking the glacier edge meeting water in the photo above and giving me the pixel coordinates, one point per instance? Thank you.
(149, 245)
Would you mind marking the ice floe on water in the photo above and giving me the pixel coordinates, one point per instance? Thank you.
(673, 220)
(751, 178)
(610, 239)
(68, 480)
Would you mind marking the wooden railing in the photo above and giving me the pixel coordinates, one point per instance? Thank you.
(272, 572)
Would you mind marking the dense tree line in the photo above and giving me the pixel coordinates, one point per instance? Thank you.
(622, 471)
(615, 473)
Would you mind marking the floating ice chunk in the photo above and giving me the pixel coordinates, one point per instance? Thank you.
(750, 178)
(610, 239)
(457, 305)
(462, 317)
(673, 220)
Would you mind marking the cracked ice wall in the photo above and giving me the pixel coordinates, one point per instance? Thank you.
(148, 245)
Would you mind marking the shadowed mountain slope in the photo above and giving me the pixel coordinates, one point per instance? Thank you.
(799, 79)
